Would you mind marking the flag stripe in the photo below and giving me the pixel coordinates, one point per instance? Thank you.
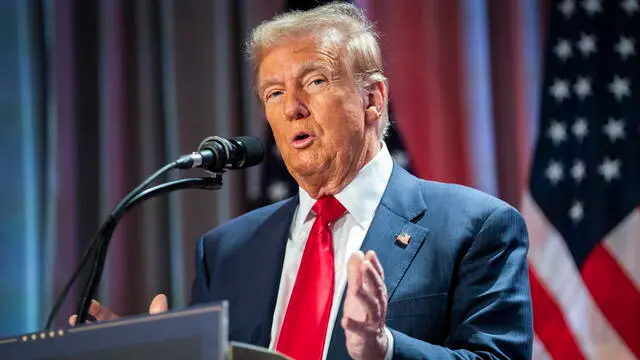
(553, 265)
(550, 325)
(539, 351)
(615, 294)
(624, 244)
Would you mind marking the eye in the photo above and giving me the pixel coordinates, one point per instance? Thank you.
(318, 81)
(273, 94)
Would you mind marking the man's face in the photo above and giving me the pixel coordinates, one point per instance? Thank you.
(313, 107)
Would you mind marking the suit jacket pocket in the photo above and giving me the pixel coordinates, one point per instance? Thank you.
(422, 317)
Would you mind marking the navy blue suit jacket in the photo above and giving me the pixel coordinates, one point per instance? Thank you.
(459, 289)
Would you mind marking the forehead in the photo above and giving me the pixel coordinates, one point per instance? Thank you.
(294, 57)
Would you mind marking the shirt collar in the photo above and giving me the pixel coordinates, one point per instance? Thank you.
(361, 196)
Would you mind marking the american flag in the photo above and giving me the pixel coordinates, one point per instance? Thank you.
(583, 211)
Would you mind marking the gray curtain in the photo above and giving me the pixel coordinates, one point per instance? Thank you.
(109, 91)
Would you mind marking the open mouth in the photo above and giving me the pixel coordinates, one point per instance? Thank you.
(301, 136)
(302, 140)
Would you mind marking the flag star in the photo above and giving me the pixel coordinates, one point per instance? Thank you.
(277, 191)
(620, 87)
(554, 172)
(614, 129)
(609, 169)
(630, 6)
(587, 44)
(578, 171)
(591, 6)
(580, 128)
(625, 47)
(576, 213)
(560, 90)
(563, 49)
(557, 132)
(400, 158)
(582, 87)
(567, 8)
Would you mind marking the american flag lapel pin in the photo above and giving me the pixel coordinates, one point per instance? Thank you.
(403, 238)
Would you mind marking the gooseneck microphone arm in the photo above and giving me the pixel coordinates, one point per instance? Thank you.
(204, 183)
(214, 155)
(104, 238)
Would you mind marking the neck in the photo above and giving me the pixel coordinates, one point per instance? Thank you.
(332, 181)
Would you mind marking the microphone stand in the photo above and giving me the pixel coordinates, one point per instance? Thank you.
(93, 282)
(100, 241)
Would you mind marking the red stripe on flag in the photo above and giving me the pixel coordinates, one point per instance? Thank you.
(549, 324)
(615, 294)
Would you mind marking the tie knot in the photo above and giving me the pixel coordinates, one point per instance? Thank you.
(329, 209)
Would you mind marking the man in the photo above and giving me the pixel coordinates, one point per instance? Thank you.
(367, 261)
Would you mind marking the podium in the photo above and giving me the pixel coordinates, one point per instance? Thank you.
(194, 333)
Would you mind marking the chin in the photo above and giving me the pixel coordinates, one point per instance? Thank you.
(304, 169)
(307, 167)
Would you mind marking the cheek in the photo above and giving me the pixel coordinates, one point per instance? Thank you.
(275, 122)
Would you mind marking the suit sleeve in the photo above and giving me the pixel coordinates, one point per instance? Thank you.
(491, 316)
(200, 286)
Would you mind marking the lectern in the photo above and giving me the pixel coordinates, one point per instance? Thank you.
(196, 333)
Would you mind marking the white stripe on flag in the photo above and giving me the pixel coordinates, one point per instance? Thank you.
(624, 245)
(550, 259)
(539, 351)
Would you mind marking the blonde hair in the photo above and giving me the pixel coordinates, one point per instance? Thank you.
(359, 37)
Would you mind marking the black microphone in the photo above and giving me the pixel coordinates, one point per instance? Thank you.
(216, 154)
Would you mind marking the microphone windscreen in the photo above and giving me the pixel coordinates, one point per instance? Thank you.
(253, 150)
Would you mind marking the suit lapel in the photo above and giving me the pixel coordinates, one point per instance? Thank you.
(401, 205)
(260, 289)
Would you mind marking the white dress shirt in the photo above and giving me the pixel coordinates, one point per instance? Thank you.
(361, 198)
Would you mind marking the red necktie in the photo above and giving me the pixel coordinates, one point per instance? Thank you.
(305, 323)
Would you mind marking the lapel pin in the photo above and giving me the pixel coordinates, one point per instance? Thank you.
(403, 238)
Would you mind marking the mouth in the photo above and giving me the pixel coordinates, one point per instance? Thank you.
(302, 139)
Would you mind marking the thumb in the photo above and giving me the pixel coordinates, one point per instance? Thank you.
(354, 276)
(159, 304)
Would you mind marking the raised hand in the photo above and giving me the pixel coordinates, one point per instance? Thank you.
(365, 307)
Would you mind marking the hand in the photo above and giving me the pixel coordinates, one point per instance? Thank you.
(365, 307)
(158, 305)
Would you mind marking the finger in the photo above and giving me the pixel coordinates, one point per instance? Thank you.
(159, 304)
(359, 327)
(371, 256)
(354, 277)
(101, 313)
(73, 319)
(372, 305)
(374, 282)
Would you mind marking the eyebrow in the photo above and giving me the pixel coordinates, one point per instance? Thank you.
(301, 70)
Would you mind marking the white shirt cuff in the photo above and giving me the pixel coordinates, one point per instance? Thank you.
(389, 354)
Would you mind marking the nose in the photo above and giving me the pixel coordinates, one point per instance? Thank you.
(294, 108)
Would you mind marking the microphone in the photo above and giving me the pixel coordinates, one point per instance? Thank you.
(216, 154)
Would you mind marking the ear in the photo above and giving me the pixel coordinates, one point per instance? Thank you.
(375, 96)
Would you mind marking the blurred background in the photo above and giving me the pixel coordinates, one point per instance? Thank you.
(535, 102)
